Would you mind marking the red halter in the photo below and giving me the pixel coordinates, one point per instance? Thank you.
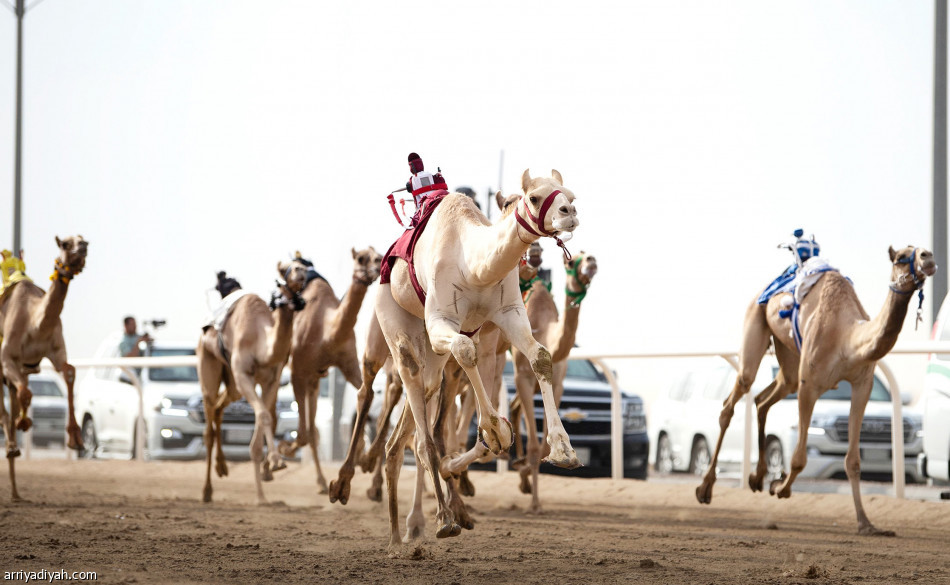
(539, 221)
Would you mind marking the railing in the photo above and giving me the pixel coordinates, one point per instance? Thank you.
(128, 365)
(731, 356)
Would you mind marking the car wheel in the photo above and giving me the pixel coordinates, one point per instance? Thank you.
(90, 443)
(664, 455)
(699, 460)
(774, 460)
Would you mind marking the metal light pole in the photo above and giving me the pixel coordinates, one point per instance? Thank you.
(19, 10)
(940, 154)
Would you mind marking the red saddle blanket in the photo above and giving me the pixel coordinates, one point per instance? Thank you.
(405, 246)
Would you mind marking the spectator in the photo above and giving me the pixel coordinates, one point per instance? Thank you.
(129, 346)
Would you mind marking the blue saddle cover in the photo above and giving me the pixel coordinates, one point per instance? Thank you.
(783, 283)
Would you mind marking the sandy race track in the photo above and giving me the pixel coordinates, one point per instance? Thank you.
(145, 523)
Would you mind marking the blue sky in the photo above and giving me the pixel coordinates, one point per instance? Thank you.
(185, 137)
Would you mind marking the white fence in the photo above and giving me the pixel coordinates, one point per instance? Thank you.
(128, 365)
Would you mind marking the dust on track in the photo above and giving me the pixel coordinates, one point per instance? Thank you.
(134, 522)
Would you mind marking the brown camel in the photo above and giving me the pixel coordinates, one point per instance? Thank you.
(559, 334)
(323, 338)
(32, 330)
(466, 270)
(839, 341)
(250, 348)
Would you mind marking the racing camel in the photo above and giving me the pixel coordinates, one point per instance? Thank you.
(247, 346)
(839, 341)
(31, 330)
(323, 338)
(462, 274)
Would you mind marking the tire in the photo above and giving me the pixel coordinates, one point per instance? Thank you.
(700, 458)
(664, 455)
(90, 443)
(775, 460)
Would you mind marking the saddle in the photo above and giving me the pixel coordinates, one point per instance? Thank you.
(405, 246)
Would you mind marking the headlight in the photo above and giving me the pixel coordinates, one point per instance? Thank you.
(173, 406)
(634, 420)
(823, 421)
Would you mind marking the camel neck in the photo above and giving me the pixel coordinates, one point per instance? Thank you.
(567, 331)
(281, 336)
(52, 304)
(349, 309)
(495, 250)
(880, 334)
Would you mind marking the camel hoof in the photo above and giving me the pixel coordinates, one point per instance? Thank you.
(322, 486)
(339, 491)
(870, 530)
(12, 452)
(414, 533)
(525, 485)
(75, 439)
(368, 462)
(287, 448)
(776, 489)
(221, 468)
(266, 474)
(449, 530)
(24, 423)
(704, 493)
(466, 487)
(563, 455)
(207, 495)
(375, 493)
(755, 482)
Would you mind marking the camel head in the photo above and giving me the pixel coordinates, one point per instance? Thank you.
(366, 265)
(580, 271)
(72, 254)
(557, 215)
(910, 267)
(294, 274)
(582, 268)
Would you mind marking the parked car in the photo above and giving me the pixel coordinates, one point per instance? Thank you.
(107, 407)
(49, 409)
(684, 426)
(585, 413)
(934, 462)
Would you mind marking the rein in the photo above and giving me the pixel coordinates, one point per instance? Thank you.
(539, 221)
(918, 285)
(576, 297)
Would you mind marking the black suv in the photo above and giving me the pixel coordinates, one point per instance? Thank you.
(585, 413)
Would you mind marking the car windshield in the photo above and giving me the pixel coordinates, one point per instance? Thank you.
(45, 388)
(173, 373)
(576, 370)
(843, 392)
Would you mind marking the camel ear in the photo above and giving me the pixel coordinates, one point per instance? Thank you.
(892, 252)
(526, 180)
(353, 251)
(557, 176)
(59, 243)
(500, 200)
(281, 267)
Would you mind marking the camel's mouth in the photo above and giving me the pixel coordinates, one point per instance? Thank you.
(929, 269)
(566, 224)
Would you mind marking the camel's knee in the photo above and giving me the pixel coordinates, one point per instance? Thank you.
(465, 352)
(798, 462)
(542, 365)
(267, 421)
(852, 466)
(407, 355)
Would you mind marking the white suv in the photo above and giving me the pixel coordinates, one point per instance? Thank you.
(934, 462)
(684, 426)
(107, 406)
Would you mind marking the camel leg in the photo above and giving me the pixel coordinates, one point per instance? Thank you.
(415, 520)
(515, 326)
(442, 428)
(303, 386)
(311, 413)
(395, 452)
(6, 420)
(223, 399)
(374, 356)
(861, 392)
(444, 336)
(755, 341)
(784, 384)
(273, 461)
(808, 394)
(372, 457)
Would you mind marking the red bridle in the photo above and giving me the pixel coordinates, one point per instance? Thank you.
(539, 221)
